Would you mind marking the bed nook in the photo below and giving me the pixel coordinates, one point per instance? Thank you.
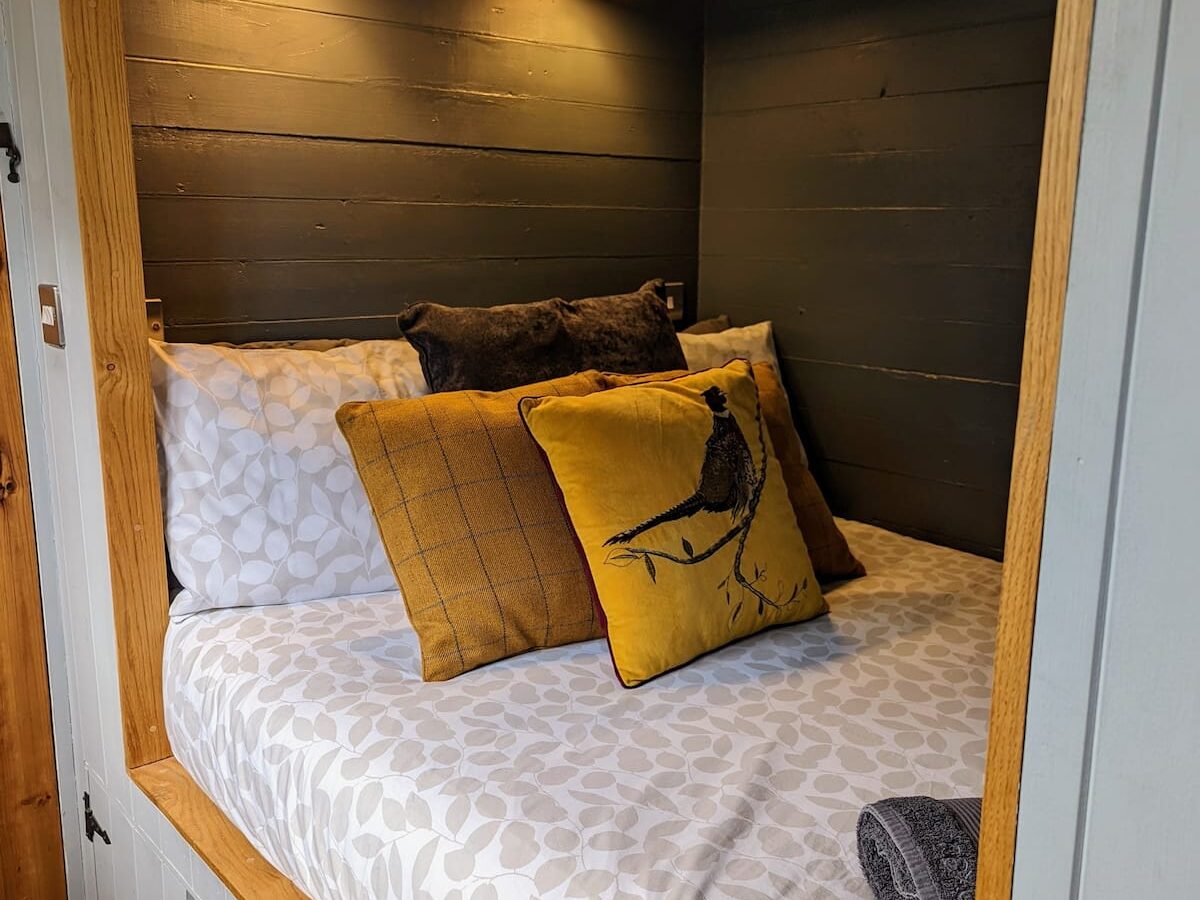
(599, 446)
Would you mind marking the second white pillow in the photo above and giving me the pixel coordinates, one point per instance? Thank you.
(754, 343)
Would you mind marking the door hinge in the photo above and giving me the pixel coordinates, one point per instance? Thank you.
(91, 828)
(9, 145)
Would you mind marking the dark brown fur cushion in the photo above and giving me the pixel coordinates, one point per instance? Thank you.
(501, 347)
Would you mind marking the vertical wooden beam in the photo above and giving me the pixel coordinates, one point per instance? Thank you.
(1031, 456)
(31, 846)
(112, 262)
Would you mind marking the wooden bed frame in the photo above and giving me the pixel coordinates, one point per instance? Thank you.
(97, 96)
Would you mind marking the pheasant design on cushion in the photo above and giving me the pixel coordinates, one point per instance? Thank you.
(727, 475)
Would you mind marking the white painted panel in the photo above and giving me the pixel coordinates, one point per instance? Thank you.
(1110, 781)
(1140, 819)
(1105, 263)
(147, 868)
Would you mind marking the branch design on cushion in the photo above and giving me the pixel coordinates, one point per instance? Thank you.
(728, 482)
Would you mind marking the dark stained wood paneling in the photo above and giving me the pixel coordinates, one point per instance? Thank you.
(241, 291)
(972, 457)
(750, 29)
(869, 181)
(983, 237)
(903, 399)
(955, 515)
(975, 176)
(880, 337)
(983, 117)
(667, 29)
(789, 288)
(231, 229)
(985, 56)
(239, 34)
(186, 95)
(205, 163)
(305, 161)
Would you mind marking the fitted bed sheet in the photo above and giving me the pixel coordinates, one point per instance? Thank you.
(739, 776)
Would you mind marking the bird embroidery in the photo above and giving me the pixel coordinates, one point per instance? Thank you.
(727, 477)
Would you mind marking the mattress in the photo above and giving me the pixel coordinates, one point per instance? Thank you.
(739, 776)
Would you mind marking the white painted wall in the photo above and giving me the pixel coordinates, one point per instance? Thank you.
(147, 860)
(1110, 779)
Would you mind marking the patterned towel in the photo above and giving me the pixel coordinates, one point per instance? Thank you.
(918, 848)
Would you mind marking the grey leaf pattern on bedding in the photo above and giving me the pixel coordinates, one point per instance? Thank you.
(740, 776)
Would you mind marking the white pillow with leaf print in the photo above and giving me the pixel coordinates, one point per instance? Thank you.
(753, 343)
(263, 504)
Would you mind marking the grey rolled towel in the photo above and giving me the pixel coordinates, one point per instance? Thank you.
(918, 848)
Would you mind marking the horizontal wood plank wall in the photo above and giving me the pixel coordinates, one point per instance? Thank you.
(306, 168)
(869, 183)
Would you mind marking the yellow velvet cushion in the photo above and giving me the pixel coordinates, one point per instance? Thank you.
(682, 512)
(831, 556)
(472, 524)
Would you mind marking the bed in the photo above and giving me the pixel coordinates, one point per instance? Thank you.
(739, 776)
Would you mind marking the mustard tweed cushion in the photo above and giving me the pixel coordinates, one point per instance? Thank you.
(472, 524)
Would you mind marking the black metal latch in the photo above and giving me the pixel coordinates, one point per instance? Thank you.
(91, 828)
(9, 145)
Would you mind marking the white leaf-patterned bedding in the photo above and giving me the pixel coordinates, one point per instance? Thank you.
(739, 776)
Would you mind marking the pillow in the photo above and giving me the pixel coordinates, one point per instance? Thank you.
(827, 548)
(297, 344)
(831, 556)
(750, 342)
(680, 508)
(262, 504)
(709, 326)
(501, 347)
(754, 343)
(471, 520)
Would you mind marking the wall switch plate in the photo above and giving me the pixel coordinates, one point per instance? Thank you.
(674, 298)
(51, 314)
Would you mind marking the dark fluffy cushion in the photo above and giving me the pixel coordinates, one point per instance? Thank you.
(501, 347)
(715, 325)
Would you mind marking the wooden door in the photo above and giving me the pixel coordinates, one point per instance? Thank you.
(31, 849)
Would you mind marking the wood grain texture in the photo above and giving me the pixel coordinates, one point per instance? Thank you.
(236, 228)
(212, 164)
(243, 35)
(1014, 51)
(984, 117)
(971, 176)
(534, 144)
(760, 29)
(213, 293)
(930, 510)
(626, 29)
(31, 852)
(869, 184)
(112, 262)
(1031, 457)
(185, 95)
(962, 236)
(215, 839)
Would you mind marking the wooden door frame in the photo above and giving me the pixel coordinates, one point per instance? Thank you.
(98, 103)
(1061, 142)
(32, 860)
